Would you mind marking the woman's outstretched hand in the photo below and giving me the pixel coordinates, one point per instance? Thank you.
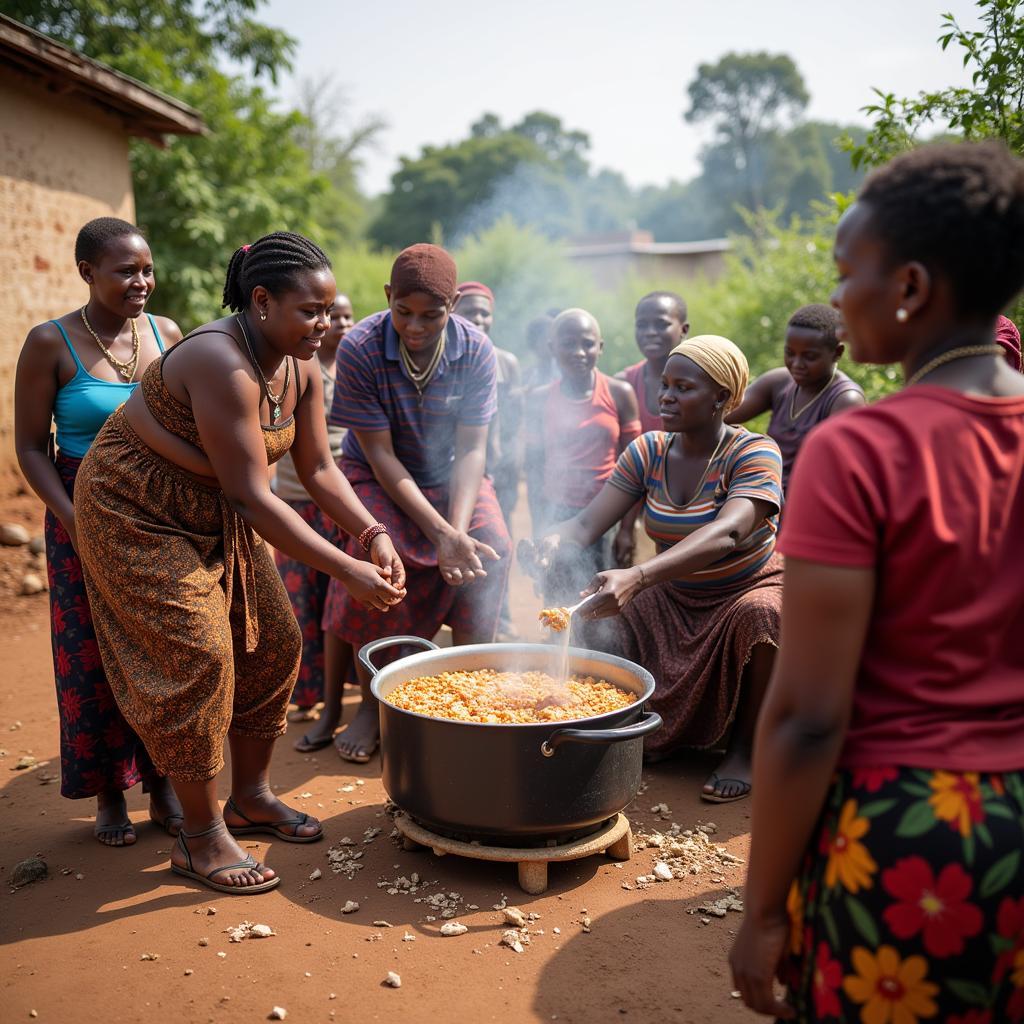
(460, 558)
(755, 959)
(382, 553)
(615, 587)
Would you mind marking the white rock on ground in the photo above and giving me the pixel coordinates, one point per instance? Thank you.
(393, 980)
(453, 928)
(13, 535)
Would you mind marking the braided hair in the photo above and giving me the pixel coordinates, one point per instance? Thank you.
(274, 261)
(818, 317)
(959, 209)
(94, 237)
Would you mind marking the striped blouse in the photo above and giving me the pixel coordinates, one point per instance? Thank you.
(750, 466)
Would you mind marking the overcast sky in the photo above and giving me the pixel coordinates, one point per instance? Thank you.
(616, 69)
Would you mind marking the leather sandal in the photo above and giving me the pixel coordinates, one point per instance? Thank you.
(207, 879)
(273, 828)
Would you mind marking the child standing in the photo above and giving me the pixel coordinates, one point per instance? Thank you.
(808, 389)
(577, 427)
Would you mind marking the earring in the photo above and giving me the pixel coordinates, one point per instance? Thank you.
(902, 315)
(263, 314)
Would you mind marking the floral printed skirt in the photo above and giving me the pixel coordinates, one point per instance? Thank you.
(910, 903)
(307, 591)
(99, 751)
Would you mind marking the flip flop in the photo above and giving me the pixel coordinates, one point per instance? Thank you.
(713, 798)
(362, 755)
(165, 823)
(273, 828)
(207, 880)
(306, 746)
(105, 830)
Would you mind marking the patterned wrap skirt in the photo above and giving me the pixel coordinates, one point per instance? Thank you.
(430, 602)
(696, 643)
(98, 748)
(307, 591)
(910, 903)
(193, 622)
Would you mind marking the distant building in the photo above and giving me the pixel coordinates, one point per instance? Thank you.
(63, 160)
(610, 259)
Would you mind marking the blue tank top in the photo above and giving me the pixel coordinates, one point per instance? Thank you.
(84, 403)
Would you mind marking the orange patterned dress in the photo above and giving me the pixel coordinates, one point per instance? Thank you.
(193, 623)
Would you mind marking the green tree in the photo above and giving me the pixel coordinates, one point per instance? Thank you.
(746, 97)
(529, 171)
(198, 198)
(991, 108)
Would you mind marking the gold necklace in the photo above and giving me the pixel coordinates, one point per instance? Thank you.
(126, 369)
(707, 469)
(964, 352)
(275, 401)
(793, 415)
(421, 378)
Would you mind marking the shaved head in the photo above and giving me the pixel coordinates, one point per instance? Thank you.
(576, 319)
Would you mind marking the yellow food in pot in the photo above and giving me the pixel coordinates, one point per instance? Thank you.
(506, 698)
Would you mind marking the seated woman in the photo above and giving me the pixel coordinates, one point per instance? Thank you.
(416, 388)
(886, 876)
(807, 390)
(703, 614)
(194, 625)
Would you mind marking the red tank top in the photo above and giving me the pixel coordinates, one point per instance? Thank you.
(635, 378)
(581, 442)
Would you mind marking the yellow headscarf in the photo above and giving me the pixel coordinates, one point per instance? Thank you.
(721, 360)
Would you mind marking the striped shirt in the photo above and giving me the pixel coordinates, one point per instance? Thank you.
(750, 466)
(373, 392)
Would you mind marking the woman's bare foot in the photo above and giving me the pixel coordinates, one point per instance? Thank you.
(164, 808)
(360, 740)
(730, 780)
(216, 848)
(262, 809)
(113, 827)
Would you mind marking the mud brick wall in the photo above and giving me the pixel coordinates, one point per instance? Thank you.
(62, 163)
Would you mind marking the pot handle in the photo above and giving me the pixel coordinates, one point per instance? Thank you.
(650, 722)
(391, 641)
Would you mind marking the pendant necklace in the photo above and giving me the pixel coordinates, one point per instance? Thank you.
(275, 401)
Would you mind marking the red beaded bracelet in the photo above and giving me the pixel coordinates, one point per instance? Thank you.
(366, 537)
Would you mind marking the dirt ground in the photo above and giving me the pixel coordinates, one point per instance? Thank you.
(76, 946)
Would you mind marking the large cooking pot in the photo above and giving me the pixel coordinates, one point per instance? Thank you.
(509, 782)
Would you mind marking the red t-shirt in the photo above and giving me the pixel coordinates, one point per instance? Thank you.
(927, 486)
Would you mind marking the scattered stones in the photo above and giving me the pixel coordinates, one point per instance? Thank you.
(453, 928)
(381, 924)
(684, 852)
(13, 535)
(393, 980)
(722, 906)
(408, 937)
(516, 939)
(446, 904)
(150, 956)
(28, 761)
(32, 869)
(343, 859)
(514, 916)
(32, 583)
(662, 872)
(277, 1013)
(15, 726)
(204, 942)
(585, 923)
(316, 875)
(350, 907)
(248, 930)
(37, 546)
